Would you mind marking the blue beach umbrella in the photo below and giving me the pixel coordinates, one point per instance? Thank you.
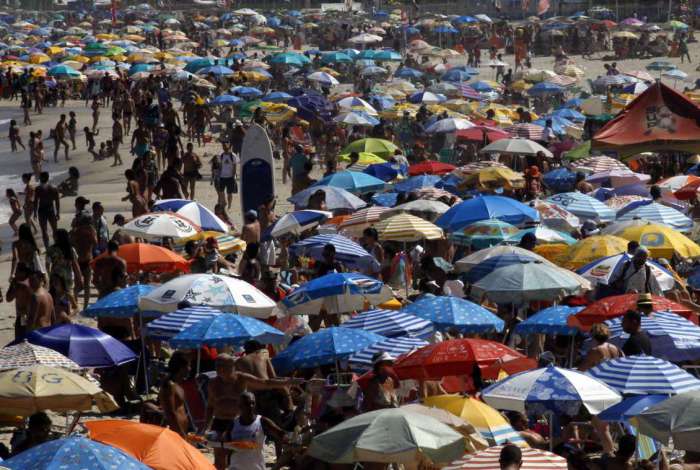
(492, 263)
(446, 312)
(73, 452)
(383, 171)
(336, 293)
(336, 198)
(456, 75)
(644, 375)
(362, 360)
(366, 54)
(583, 206)
(346, 251)
(656, 213)
(416, 182)
(385, 199)
(295, 223)
(171, 324)
(465, 20)
(445, 29)
(123, 303)
(352, 181)
(336, 58)
(63, 71)
(226, 100)
(277, 97)
(195, 65)
(408, 72)
(545, 89)
(215, 70)
(247, 92)
(324, 347)
(385, 55)
(550, 321)
(226, 330)
(487, 207)
(630, 407)
(481, 87)
(194, 212)
(87, 347)
(391, 324)
(560, 180)
(136, 68)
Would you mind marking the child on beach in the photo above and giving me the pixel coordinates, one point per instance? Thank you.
(70, 186)
(90, 140)
(14, 136)
(15, 207)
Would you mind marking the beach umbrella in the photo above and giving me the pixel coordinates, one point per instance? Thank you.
(388, 436)
(336, 198)
(86, 346)
(593, 248)
(37, 388)
(676, 418)
(122, 303)
(448, 125)
(391, 324)
(336, 293)
(545, 89)
(630, 407)
(352, 181)
(610, 80)
(488, 422)
(526, 130)
(353, 103)
(555, 216)
(616, 306)
(73, 452)
(469, 262)
(425, 209)
(379, 147)
(395, 347)
(373, 70)
(295, 223)
(675, 74)
(171, 324)
(599, 164)
(408, 72)
(213, 290)
(559, 124)
(63, 71)
(365, 38)
(362, 219)
(516, 146)
(662, 241)
(226, 330)
(147, 257)
(356, 118)
(485, 233)
(277, 96)
(673, 338)
(473, 439)
(225, 100)
(426, 97)
(335, 58)
(487, 207)
(492, 263)
(570, 114)
(603, 270)
(550, 389)
(324, 347)
(156, 225)
(526, 282)
(26, 354)
(658, 214)
(623, 203)
(489, 178)
(643, 375)
(532, 459)
(346, 251)
(323, 78)
(220, 70)
(407, 228)
(290, 58)
(452, 357)
(155, 446)
(416, 182)
(456, 75)
(452, 312)
(246, 92)
(675, 183)
(543, 235)
(549, 321)
(227, 243)
(583, 206)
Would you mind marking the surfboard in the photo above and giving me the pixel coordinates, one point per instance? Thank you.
(257, 169)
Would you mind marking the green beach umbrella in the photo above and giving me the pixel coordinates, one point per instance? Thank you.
(379, 147)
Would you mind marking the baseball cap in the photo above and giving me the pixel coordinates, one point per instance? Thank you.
(82, 200)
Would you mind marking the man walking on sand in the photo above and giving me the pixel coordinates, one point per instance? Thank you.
(60, 137)
(48, 206)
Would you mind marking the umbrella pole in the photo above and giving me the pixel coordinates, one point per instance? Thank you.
(551, 431)
(74, 423)
(405, 276)
(143, 355)
(199, 357)
(571, 351)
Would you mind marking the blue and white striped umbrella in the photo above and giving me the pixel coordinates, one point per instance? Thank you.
(391, 324)
(656, 213)
(336, 198)
(673, 338)
(550, 321)
(226, 330)
(346, 251)
(543, 235)
(602, 270)
(194, 212)
(362, 360)
(295, 223)
(123, 303)
(324, 347)
(643, 375)
(583, 206)
(550, 389)
(446, 312)
(171, 324)
(336, 293)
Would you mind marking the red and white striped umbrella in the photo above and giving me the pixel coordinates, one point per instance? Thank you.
(533, 459)
(563, 80)
(600, 164)
(362, 219)
(434, 194)
(526, 131)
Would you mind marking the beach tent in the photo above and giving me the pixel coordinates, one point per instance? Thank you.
(658, 119)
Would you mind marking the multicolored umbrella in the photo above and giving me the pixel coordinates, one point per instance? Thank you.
(194, 212)
(26, 354)
(487, 233)
(662, 241)
(391, 324)
(532, 459)
(336, 198)
(555, 216)
(603, 270)
(73, 452)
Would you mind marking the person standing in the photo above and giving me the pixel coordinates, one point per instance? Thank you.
(638, 341)
(683, 48)
(72, 128)
(191, 164)
(59, 136)
(29, 200)
(228, 162)
(172, 396)
(48, 207)
(84, 239)
(13, 135)
(21, 293)
(99, 222)
(41, 310)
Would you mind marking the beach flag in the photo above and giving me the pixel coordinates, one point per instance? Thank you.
(542, 7)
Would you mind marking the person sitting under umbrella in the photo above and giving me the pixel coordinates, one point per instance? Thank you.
(381, 390)
(38, 432)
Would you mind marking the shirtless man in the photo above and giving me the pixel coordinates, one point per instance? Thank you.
(191, 165)
(224, 392)
(172, 396)
(109, 274)
(60, 137)
(29, 200)
(84, 239)
(251, 229)
(21, 293)
(40, 304)
(47, 207)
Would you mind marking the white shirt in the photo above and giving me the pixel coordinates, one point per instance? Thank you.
(636, 281)
(229, 160)
(248, 459)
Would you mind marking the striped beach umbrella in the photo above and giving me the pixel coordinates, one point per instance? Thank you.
(393, 346)
(583, 206)
(362, 219)
(391, 324)
(526, 131)
(599, 164)
(533, 459)
(171, 324)
(192, 211)
(643, 375)
(346, 251)
(407, 228)
(656, 213)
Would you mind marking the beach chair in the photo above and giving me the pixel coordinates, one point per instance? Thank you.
(195, 404)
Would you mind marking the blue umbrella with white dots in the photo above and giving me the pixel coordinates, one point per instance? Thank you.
(446, 312)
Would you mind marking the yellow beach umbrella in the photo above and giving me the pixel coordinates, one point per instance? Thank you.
(74, 64)
(278, 112)
(134, 37)
(488, 421)
(592, 248)
(407, 228)
(552, 251)
(163, 55)
(28, 390)
(54, 50)
(107, 36)
(80, 58)
(662, 241)
(366, 158)
(13, 63)
(496, 177)
(39, 58)
(227, 243)
(520, 85)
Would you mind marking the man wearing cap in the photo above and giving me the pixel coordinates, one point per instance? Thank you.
(635, 276)
(381, 390)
